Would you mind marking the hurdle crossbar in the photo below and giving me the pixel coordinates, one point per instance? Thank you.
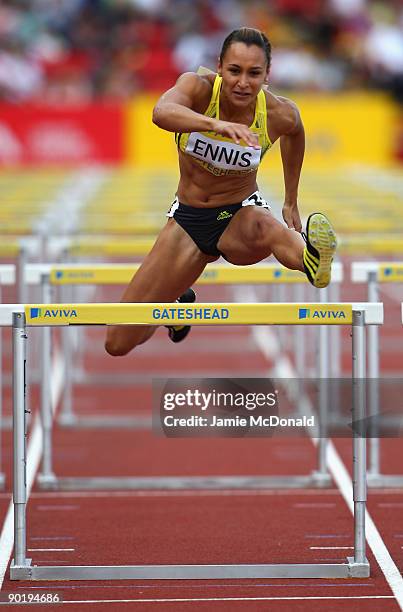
(21, 316)
(308, 313)
(375, 273)
(356, 244)
(121, 274)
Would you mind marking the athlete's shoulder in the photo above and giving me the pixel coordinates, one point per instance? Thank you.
(283, 113)
(195, 82)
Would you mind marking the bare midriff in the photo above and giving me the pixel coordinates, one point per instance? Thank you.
(201, 189)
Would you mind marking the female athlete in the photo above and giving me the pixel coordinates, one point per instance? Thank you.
(224, 124)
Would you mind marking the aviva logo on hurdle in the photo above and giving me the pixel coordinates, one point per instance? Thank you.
(305, 313)
(391, 273)
(39, 313)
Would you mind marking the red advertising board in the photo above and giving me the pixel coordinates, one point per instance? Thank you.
(51, 135)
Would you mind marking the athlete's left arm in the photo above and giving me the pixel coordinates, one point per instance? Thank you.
(292, 146)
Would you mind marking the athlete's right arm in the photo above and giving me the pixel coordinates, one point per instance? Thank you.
(174, 112)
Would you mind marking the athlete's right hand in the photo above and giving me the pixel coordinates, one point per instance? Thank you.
(238, 132)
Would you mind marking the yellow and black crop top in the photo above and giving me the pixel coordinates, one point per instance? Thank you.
(220, 155)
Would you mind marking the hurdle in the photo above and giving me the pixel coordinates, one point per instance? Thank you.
(357, 244)
(21, 317)
(108, 246)
(64, 275)
(374, 274)
(100, 246)
(19, 249)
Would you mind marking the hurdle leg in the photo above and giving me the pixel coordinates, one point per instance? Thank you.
(67, 416)
(373, 372)
(46, 476)
(23, 297)
(359, 441)
(321, 474)
(279, 296)
(19, 445)
(299, 338)
(334, 336)
(334, 350)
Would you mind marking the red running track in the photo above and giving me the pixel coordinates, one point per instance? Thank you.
(197, 527)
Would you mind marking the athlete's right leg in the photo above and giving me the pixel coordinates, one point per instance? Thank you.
(173, 264)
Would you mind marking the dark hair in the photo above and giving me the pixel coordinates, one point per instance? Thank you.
(248, 36)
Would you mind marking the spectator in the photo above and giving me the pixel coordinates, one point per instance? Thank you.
(85, 49)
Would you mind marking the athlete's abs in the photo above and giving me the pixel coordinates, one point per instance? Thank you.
(199, 188)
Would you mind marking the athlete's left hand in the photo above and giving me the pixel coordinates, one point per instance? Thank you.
(291, 216)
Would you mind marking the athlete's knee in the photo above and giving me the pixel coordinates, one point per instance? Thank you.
(116, 346)
(260, 231)
(116, 350)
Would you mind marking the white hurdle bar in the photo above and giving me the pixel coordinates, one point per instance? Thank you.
(375, 273)
(20, 317)
(66, 275)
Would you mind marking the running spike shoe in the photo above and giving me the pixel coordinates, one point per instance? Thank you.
(320, 247)
(177, 333)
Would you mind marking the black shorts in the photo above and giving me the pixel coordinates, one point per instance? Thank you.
(206, 225)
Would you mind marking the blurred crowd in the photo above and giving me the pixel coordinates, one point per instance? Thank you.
(79, 50)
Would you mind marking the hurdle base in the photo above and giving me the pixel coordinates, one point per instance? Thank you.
(358, 570)
(46, 481)
(20, 570)
(142, 421)
(384, 481)
(321, 479)
(181, 482)
(190, 572)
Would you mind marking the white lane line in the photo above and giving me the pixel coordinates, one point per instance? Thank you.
(313, 505)
(65, 508)
(204, 599)
(265, 341)
(34, 453)
(325, 536)
(37, 538)
(51, 549)
(331, 547)
(373, 537)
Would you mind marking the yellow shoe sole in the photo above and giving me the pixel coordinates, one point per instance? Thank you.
(322, 237)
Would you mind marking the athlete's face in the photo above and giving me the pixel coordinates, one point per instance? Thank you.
(244, 70)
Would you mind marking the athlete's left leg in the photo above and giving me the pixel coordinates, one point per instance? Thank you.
(254, 234)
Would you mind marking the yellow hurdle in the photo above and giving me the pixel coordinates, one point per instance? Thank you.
(354, 244)
(198, 314)
(357, 315)
(220, 274)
